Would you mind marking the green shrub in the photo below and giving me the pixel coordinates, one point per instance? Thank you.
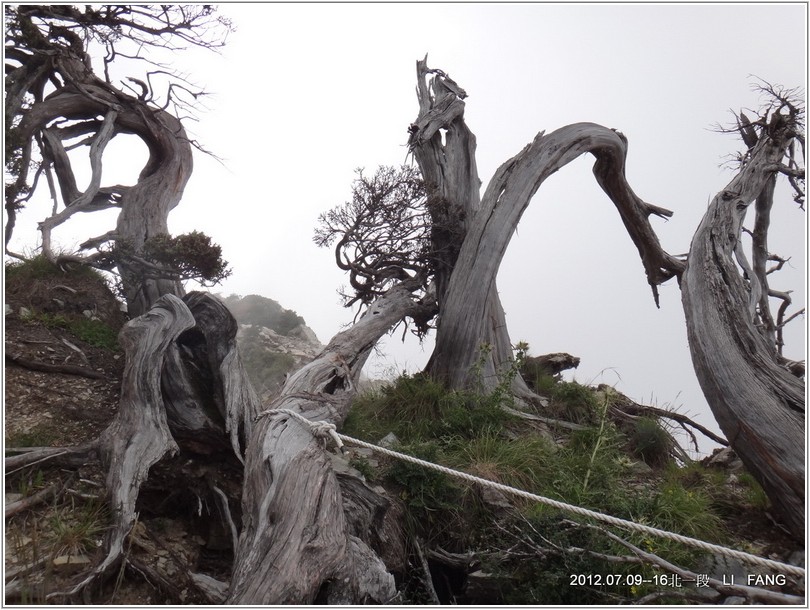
(192, 255)
(432, 498)
(574, 402)
(650, 442)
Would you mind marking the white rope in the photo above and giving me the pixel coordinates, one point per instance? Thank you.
(320, 429)
(324, 428)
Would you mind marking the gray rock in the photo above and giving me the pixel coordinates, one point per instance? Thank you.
(724, 569)
(388, 441)
(341, 466)
(363, 452)
(305, 333)
(724, 458)
(71, 563)
(494, 498)
(8, 309)
(640, 467)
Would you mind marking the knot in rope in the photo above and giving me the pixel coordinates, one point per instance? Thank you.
(319, 429)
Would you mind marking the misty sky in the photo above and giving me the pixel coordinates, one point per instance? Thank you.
(303, 94)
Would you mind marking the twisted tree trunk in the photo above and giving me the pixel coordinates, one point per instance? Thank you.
(145, 205)
(735, 343)
(444, 148)
(758, 403)
(467, 312)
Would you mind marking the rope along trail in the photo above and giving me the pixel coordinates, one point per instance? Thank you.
(324, 429)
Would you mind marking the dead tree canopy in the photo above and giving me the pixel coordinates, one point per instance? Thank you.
(56, 104)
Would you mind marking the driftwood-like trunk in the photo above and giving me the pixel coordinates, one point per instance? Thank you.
(297, 544)
(470, 311)
(183, 391)
(139, 436)
(757, 402)
(444, 148)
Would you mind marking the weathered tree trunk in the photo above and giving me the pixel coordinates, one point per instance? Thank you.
(297, 543)
(469, 310)
(444, 148)
(183, 391)
(758, 403)
(144, 206)
(139, 436)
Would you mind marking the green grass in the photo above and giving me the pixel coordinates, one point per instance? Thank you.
(39, 268)
(588, 468)
(524, 462)
(651, 442)
(574, 402)
(418, 408)
(78, 528)
(93, 332)
(755, 494)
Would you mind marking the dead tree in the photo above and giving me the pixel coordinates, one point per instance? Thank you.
(470, 312)
(734, 339)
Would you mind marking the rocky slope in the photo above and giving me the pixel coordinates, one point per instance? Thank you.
(273, 341)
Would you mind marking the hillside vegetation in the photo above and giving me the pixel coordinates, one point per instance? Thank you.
(484, 547)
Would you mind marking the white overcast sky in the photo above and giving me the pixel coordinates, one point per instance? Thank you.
(305, 93)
